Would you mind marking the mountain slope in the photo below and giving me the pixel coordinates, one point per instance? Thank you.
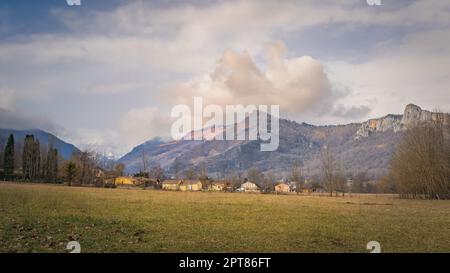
(46, 139)
(366, 146)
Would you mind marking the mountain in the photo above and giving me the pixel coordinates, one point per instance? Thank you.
(46, 139)
(395, 123)
(366, 146)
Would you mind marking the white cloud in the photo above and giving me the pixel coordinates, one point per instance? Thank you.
(141, 124)
(8, 99)
(413, 71)
(298, 85)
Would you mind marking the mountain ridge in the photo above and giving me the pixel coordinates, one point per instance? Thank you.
(365, 146)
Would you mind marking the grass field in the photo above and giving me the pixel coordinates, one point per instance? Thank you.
(43, 218)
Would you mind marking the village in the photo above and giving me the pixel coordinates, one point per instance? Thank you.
(210, 185)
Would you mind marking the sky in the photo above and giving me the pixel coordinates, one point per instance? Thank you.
(104, 75)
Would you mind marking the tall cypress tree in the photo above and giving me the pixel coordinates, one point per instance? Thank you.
(27, 156)
(31, 158)
(9, 157)
(51, 166)
(36, 160)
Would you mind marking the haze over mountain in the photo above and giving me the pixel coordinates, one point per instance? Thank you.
(366, 146)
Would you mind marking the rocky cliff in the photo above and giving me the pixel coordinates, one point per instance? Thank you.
(395, 123)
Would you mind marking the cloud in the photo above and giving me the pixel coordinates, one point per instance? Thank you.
(299, 85)
(12, 117)
(8, 99)
(141, 124)
(16, 120)
(121, 60)
(411, 70)
(354, 112)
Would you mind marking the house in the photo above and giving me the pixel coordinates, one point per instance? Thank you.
(151, 183)
(125, 181)
(307, 189)
(218, 186)
(282, 188)
(293, 186)
(190, 185)
(99, 173)
(249, 187)
(171, 185)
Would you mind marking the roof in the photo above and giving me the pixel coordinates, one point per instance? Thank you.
(248, 182)
(220, 182)
(171, 181)
(191, 181)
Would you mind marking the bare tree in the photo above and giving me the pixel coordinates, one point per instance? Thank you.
(157, 173)
(190, 173)
(144, 161)
(234, 179)
(358, 182)
(340, 182)
(175, 168)
(420, 167)
(119, 169)
(296, 176)
(329, 170)
(204, 176)
(268, 183)
(255, 175)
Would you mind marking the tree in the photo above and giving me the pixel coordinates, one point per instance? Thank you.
(157, 173)
(204, 177)
(358, 182)
(70, 172)
(234, 179)
(268, 183)
(144, 161)
(119, 169)
(296, 176)
(255, 175)
(176, 168)
(203, 174)
(8, 164)
(31, 158)
(86, 163)
(341, 183)
(420, 167)
(329, 170)
(190, 173)
(385, 185)
(51, 166)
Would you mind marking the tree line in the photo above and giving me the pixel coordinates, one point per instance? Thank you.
(33, 168)
(420, 167)
(83, 168)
